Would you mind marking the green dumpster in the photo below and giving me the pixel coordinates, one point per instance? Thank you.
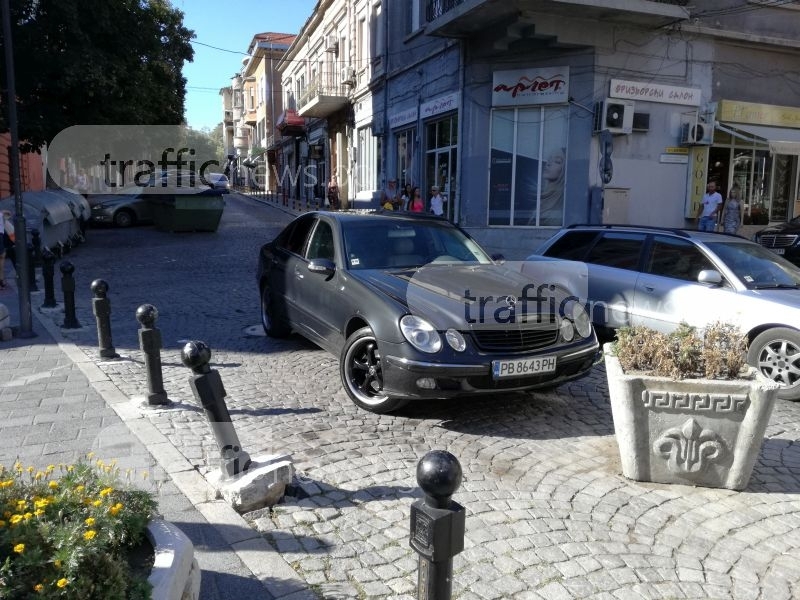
(188, 212)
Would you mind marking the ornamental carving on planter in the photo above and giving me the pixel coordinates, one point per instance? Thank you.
(700, 420)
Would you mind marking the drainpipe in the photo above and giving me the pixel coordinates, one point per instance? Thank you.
(461, 81)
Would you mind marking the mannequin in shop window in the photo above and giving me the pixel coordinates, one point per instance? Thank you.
(551, 201)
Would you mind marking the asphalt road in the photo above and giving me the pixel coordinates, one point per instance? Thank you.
(548, 513)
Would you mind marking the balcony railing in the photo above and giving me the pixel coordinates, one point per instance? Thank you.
(320, 99)
(436, 8)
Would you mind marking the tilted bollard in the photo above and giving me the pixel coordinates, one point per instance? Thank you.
(31, 269)
(437, 524)
(68, 287)
(209, 391)
(150, 343)
(101, 306)
(36, 238)
(48, 275)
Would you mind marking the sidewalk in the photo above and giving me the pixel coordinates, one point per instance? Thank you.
(56, 406)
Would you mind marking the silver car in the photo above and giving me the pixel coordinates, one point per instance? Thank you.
(660, 277)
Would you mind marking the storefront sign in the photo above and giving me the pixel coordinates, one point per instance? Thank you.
(403, 117)
(440, 105)
(676, 150)
(678, 159)
(654, 92)
(758, 114)
(549, 85)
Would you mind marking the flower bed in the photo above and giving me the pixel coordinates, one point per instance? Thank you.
(66, 532)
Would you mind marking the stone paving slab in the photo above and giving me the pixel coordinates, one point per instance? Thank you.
(548, 513)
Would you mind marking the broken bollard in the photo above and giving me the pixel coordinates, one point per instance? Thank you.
(150, 343)
(68, 287)
(48, 275)
(101, 306)
(437, 524)
(208, 390)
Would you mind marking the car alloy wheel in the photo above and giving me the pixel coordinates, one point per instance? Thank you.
(123, 218)
(362, 373)
(776, 353)
(272, 327)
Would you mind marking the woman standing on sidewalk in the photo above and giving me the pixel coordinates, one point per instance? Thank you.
(8, 242)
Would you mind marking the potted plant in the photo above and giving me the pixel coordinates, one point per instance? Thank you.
(78, 531)
(686, 406)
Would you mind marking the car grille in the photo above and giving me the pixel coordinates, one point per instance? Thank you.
(518, 339)
(771, 240)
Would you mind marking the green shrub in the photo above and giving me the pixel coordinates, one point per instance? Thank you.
(720, 352)
(65, 532)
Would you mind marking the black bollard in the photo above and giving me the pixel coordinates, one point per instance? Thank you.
(437, 524)
(208, 390)
(31, 269)
(36, 238)
(48, 275)
(68, 287)
(101, 306)
(150, 343)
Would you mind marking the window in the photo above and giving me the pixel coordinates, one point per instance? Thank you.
(572, 245)
(405, 158)
(620, 250)
(368, 154)
(294, 239)
(528, 162)
(321, 243)
(679, 259)
(441, 158)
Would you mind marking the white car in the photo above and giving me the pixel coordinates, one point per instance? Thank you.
(659, 277)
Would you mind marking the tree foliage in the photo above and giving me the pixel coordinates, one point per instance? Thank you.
(95, 62)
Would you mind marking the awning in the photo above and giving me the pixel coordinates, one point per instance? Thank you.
(781, 140)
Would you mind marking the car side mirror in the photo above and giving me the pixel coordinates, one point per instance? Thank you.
(709, 276)
(322, 266)
(499, 258)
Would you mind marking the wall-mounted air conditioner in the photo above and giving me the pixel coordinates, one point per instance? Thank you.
(348, 76)
(697, 130)
(331, 43)
(614, 115)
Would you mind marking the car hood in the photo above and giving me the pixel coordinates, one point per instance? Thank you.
(476, 296)
(781, 228)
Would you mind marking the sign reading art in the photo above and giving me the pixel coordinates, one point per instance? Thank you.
(440, 105)
(654, 92)
(403, 117)
(536, 85)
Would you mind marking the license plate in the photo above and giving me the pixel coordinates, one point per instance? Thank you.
(778, 250)
(523, 366)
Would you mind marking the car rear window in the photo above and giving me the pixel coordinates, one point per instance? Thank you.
(620, 250)
(573, 245)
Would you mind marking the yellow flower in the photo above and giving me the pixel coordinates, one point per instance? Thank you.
(90, 455)
(41, 503)
(38, 587)
(27, 516)
(106, 491)
(89, 521)
(2, 523)
(15, 519)
(6, 484)
(19, 548)
(57, 563)
(62, 583)
(115, 509)
(38, 512)
(89, 535)
(52, 485)
(30, 469)
(50, 468)
(78, 489)
(70, 468)
(97, 503)
(21, 504)
(38, 475)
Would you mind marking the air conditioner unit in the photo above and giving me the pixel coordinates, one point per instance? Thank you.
(331, 43)
(614, 115)
(697, 131)
(348, 75)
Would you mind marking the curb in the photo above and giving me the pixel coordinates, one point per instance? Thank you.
(266, 565)
(175, 574)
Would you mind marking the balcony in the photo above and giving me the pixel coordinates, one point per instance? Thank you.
(240, 142)
(290, 123)
(251, 117)
(269, 141)
(461, 18)
(319, 100)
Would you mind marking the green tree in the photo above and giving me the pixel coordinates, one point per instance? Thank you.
(98, 62)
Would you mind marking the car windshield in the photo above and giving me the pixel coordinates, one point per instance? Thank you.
(756, 267)
(384, 245)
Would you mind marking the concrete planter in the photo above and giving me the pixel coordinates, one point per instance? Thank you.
(703, 432)
(175, 574)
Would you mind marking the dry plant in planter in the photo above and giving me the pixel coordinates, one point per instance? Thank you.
(687, 408)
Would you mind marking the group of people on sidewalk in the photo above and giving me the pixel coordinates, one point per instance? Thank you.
(712, 207)
(6, 245)
(410, 199)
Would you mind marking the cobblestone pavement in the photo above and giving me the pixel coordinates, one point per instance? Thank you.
(548, 513)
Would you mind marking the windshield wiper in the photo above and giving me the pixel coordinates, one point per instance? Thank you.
(776, 286)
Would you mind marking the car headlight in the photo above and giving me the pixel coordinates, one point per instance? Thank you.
(580, 318)
(456, 340)
(420, 334)
(567, 330)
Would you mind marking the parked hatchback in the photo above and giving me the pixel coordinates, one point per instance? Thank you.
(415, 309)
(659, 278)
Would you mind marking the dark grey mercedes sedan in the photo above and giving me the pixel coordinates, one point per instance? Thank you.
(414, 308)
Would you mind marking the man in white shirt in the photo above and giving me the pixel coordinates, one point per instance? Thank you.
(437, 201)
(709, 208)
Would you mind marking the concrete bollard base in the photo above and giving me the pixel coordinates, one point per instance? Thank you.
(263, 484)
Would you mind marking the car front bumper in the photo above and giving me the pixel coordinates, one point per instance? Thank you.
(418, 379)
